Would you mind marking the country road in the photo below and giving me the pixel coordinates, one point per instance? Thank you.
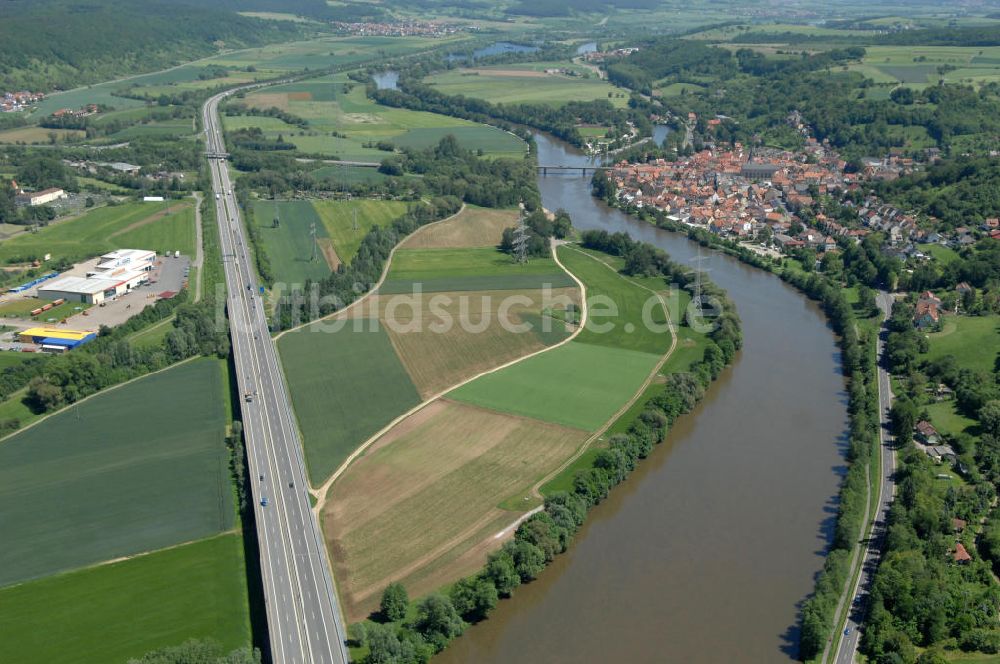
(848, 646)
(303, 614)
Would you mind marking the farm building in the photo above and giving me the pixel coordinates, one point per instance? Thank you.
(53, 339)
(39, 197)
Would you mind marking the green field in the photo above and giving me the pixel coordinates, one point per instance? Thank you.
(625, 316)
(973, 340)
(117, 475)
(335, 104)
(347, 175)
(114, 612)
(520, 84)
(578, 385)
(10, 359)
(431, 264)
(488, 139)
(164, 129)
(290, 248)
(338, 218)
(131, 225)
(345, 386)
(918, 65)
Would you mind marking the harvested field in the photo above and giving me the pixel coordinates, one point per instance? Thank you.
(440, 350)
(473, 227)
(265, 100)
(431, 487)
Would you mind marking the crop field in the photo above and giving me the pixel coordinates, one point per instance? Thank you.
(473, 227)
(161, 129)
(33, 135)
(509, 84)
(630, 305)
(336, 104)
(918, 65)
(122, 610)
(338, 218)
(345, 386)
(347, 175)
(157, 226)
(478, 268)
(973, 340)
(578, 385)
(444, 338)
(117, 475)
(289, 247)
(431, 487)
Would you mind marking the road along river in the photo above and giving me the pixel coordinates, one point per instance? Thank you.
(705, 552)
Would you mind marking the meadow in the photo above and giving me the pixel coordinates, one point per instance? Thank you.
(157, 226)
(432, 489)
(114, 612)
(631, 303)
(972, 340)
(477, 268)
(117, 475)
(334, 104)
(527, 83)
(338, 218)
(917, 66)
(345, 385)
(290, 247)
(577, 385)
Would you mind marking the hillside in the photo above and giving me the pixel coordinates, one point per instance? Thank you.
(60, 44)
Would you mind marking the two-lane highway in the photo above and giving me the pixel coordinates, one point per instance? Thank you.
(848, 648)
(303, 616)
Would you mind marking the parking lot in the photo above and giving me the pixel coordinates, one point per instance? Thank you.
(169, 276)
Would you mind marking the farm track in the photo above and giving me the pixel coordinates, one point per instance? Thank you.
(320, 493)
(536, 490)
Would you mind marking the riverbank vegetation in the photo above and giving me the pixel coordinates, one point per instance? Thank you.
(438, 618)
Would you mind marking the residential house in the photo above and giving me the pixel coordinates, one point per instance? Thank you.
(926, 433)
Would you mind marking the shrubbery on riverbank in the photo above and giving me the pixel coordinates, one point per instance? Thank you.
(547, 533)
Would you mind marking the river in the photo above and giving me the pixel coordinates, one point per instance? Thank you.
(705, 552)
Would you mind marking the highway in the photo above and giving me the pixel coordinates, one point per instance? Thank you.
(848, 648)
(303, 615)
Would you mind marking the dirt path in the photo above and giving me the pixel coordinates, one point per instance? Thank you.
(321, 492)
(536, 490)
(374, 289)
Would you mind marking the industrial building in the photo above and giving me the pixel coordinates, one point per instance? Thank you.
(53, 339)
(116, 273)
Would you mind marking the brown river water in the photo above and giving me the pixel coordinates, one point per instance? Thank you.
(705, 553)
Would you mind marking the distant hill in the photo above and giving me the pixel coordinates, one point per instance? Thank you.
(49, 44)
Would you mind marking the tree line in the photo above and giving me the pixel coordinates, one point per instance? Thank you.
(402, 636)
